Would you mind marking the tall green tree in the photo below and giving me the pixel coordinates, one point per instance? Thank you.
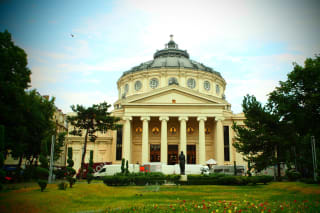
(36, 127)
(90, 120)
(14, 79)
(297, 101)
(261, 140)
(26, 115)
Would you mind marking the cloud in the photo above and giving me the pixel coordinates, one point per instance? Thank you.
(88, 98)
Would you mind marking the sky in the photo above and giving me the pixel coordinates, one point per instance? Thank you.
(253, 44)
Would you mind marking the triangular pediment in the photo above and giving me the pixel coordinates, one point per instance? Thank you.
(174, 94)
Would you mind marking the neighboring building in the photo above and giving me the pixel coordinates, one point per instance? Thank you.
(167, 105)
(61, 126)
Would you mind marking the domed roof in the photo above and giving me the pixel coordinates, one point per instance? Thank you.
(171, 57)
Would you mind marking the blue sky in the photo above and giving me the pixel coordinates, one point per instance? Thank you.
(251, 43)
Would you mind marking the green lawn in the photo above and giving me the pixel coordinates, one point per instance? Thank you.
(99, 197)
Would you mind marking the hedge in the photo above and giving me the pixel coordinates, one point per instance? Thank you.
(152, 178)
(139, 179)
(226, 180)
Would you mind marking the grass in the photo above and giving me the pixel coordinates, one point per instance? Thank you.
(97, 197)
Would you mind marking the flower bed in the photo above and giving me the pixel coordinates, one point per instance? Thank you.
(228, 207)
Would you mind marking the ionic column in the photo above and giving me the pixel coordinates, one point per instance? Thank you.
(145, 140)
(127, 138)
(183, 134)
(164, 143)
(202, 141)
(219, 141)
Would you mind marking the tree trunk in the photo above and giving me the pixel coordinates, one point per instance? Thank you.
(279, 172)
(83, 154)
(20, 162)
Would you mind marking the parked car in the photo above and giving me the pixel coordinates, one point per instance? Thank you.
(96, 168)
(109, 170)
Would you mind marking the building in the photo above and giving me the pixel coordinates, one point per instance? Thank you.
(167, 105)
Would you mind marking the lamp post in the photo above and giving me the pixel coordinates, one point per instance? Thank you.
(51, 159)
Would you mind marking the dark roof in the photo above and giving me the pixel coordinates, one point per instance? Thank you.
(171, 57)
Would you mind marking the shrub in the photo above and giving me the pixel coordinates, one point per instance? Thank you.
(60, 173)
(253, 180)
(293, 175)
(71, 181)
(42, 184)
(90, 171)
(310, 180)
(42, 173)
(265, 179)
(116, 180)
(62, 186)
(173, 178)
(29, 173)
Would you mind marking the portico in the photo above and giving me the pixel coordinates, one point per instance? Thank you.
(144, 134)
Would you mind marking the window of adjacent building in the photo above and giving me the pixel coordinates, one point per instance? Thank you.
(91, 155)
(206, 85)
(137, 85)
(226, 143)
(191, 83)
(173, 80)
(217, 89)
(126, 88)
(154, 83)
(119, 144)
(70, 152)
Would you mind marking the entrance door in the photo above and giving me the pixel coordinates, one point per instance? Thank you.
(191, 154)
(154, 153)
(172, 154)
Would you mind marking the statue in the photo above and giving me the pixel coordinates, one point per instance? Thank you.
(182, 162)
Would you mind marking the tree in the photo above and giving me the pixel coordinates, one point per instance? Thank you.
(25, 115)
(59, 143)
(14, 79)
(90, 120)
(297, 101)
(70, 170)
(261, 140)
(90, 171)
(35, 127)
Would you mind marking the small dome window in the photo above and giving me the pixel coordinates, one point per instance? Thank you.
(137, 85)
(217, 89)
(126, 88)
(154, 83)
(191, 83)
(206, 85)
(173, 80)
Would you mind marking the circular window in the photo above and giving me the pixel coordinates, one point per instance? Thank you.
(126, 88)
(206, 85)
(191, 83)
(173, 80)
(154, 83)
(137, 85)
(217, 89)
